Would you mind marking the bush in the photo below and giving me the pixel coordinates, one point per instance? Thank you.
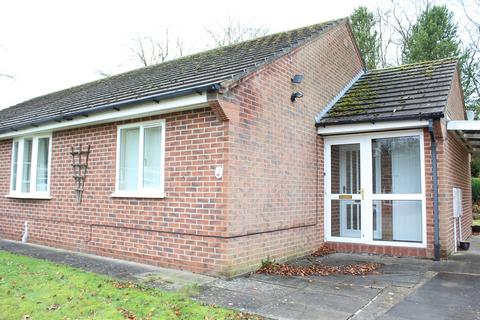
(475, 190)
(475, 167)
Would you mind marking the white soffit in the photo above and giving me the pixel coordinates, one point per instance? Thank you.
(369, 127)
(143, 109)
(468, 131)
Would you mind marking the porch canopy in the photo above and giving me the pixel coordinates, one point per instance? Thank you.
(468, 132)
(400, 97)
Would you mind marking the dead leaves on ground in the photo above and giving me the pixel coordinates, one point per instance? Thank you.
(323, 251)
(127, 314)
(319, 269)
(53, 307)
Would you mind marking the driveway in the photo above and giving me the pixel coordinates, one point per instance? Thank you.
(405, 288)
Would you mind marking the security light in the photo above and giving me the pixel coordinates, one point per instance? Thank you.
(296, 95)
(297, 79)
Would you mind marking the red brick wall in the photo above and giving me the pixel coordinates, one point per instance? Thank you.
(267, 203)
(454, 172)
(273, 179)
(174, 232)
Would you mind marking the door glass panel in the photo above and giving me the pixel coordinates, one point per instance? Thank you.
(345, 169)
(397, 220)
(346, 218)
(396, 165)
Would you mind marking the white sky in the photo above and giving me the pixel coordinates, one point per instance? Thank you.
(51, 45)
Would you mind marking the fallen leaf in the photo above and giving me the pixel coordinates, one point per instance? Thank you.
(54, 307)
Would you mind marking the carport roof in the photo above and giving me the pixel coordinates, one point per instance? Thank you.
(468, 132)
(415, 91)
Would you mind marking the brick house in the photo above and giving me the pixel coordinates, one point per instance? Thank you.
(215, 161)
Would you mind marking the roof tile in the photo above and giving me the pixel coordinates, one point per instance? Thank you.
(406, 92)
(197, 71)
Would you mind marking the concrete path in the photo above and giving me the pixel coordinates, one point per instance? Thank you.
(405, 288)
(163, 278)
(314, 297)
(453, 293)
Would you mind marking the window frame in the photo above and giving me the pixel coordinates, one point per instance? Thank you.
(32, 193)
(141, 192)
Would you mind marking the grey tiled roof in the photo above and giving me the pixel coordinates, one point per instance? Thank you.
(196, 72)
(416, 91)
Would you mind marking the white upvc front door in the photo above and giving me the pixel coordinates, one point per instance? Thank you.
(374, 188)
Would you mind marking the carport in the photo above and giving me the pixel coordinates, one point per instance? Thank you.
(468, 131)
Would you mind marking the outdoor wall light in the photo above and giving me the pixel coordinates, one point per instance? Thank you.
(296, 95)
(297, 79)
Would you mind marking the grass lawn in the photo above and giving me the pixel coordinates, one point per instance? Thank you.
(37, 289)
(476, 222)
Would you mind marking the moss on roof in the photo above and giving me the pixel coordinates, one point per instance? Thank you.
(408, 91)
(192, 72)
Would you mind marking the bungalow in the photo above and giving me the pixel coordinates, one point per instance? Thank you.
(214, 161)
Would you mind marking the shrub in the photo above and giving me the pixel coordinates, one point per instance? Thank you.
(475, 167)
(268, 262)
(475, 190)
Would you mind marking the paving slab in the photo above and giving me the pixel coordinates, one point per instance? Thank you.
(234, 299)
(306, 311)
(445, 296)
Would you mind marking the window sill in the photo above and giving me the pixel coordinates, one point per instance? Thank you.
(28, 196)
(120, 194)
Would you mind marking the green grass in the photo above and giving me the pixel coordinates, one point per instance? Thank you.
(37, 289)
(476, 222)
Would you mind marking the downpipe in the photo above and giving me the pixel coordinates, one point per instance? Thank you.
(436, 226)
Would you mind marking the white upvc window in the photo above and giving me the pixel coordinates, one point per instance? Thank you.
(140, 160)
(30, 167)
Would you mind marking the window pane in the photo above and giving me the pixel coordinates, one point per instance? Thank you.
(396, 165)
(27, 164)
(345, 169)
(42, 164)
(14, 165)
(129, 142)
(151, 157)
(397, 220)
(346, 218)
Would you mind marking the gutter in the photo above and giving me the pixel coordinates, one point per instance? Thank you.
(436, 226)
(212, 87)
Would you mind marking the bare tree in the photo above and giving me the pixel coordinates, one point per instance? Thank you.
(471, 9)
(5, 75)
(384, 36)
(148, 51)
(233, 31)
(471, 53)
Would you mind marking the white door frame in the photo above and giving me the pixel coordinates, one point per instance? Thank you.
(367, 196)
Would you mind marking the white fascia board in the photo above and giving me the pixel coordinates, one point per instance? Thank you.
(369, 127)
(463, 125)
(144, 109)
